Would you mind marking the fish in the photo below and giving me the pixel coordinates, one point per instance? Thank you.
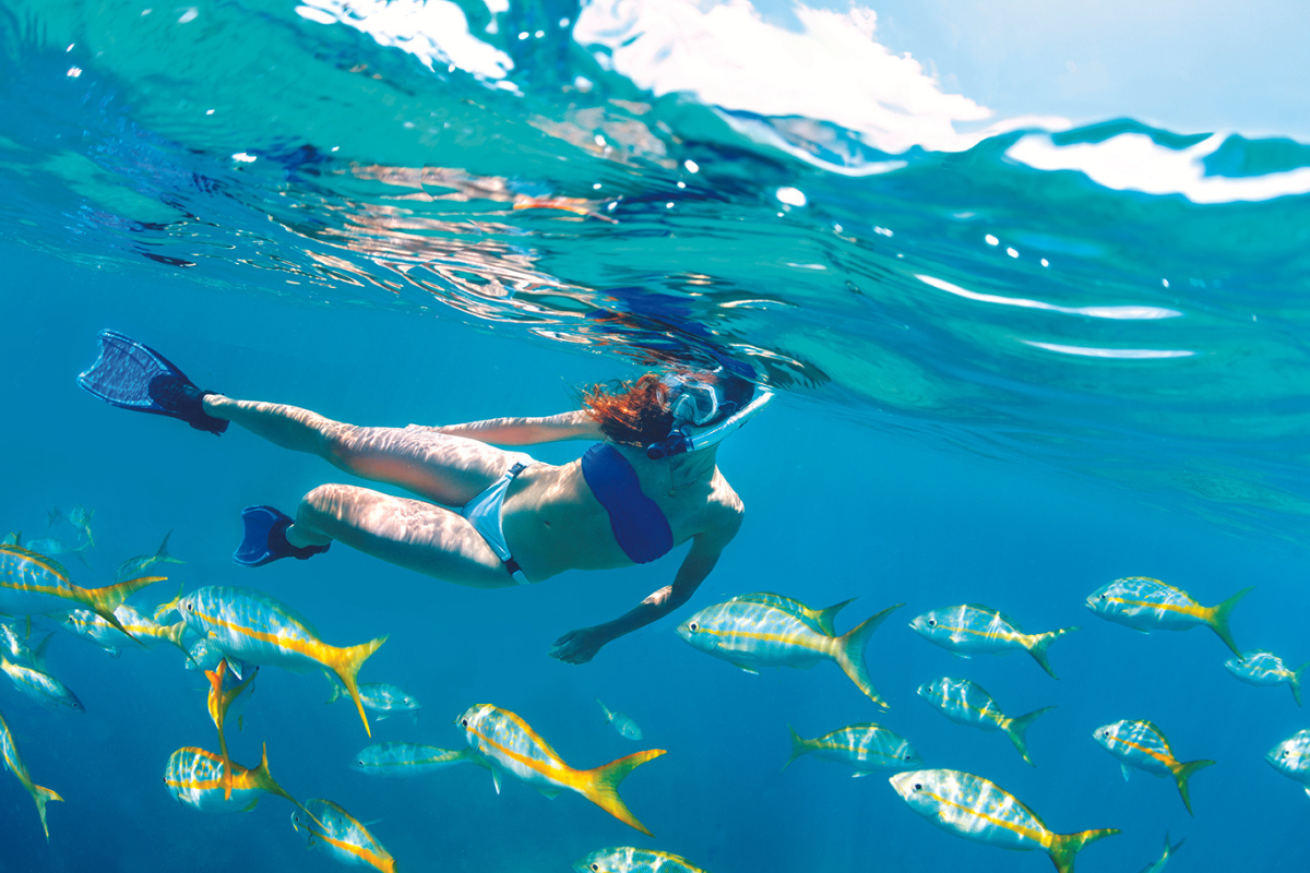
(31, 583)
(627, 859)
(1147, 604)
(1142, 745)
(622, 723)
(258, 629)
(52, 547)
(335, 831)
(1291, 757)
(969, 704)
(378, 697)
(508, 743)
(40, 686)
(204, 656)
(221, 695)
(865, 747)
(1265, 668)
(751, 635)
(53, 516)
(974, 629)
(13, 644)
(138, 565)
(411, 759)
(14, 762)
(198, 779)
(136, 628)
(80, 518)
(821, 620)
(977, 809)
(1158, 864)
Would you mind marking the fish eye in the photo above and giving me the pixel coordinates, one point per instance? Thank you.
(1102, 596)
(595, 866)
(464, 722)
(917, 786)
(690, 627)
(932, 622)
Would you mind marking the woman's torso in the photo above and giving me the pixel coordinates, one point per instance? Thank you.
(553, 522)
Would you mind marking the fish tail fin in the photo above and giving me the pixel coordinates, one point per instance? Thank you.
(1296, 683)
(1016, 728)
(799, 746)
(173, 633)
(609, 716)
(265, 780)
(825, 617)
(42, 796)
(1168, 849)
(105, 600)
(1219, 615)
(1064, 846)
(347, 668)
(849, 653)
(601, 786)
(1041, 642)
(1184, 772)
(162, 555)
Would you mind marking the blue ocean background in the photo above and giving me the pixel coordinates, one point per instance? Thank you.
(1009, 370)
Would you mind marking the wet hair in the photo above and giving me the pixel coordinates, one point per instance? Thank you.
(633, 413)
(637, 413)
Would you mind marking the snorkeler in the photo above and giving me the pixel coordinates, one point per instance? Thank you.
(650, 484)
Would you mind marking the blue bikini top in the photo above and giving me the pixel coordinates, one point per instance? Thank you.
(638, 523)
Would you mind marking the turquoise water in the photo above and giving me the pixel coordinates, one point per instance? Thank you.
(1017, 357)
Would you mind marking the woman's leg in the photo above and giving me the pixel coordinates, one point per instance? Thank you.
(408, 533)
(446, 469)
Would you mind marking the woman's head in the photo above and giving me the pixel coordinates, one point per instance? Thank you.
(641, 413)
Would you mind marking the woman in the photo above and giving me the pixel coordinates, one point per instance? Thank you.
(504, 518)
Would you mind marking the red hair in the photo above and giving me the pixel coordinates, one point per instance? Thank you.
(634, 413)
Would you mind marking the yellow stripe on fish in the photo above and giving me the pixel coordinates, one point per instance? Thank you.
(341, 835)
(202, 780)
(259, 629)
(14, 762)
(507, 741)
(628, 859)
(751, 634)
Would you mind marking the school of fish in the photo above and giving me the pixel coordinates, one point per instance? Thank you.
(228, 634)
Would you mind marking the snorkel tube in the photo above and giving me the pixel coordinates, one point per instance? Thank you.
(687, 438)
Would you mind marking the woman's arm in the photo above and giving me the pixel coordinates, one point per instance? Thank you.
(577, 425)
(580, 646)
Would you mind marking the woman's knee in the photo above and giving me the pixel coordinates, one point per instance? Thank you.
(327, 504)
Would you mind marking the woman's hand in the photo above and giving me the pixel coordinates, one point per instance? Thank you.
(579, 646)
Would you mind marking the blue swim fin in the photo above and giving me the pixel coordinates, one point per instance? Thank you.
(265, 538)
(134, 376)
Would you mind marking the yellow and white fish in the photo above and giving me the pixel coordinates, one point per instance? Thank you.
(403, 760)
(508, 743)
(136, 566)
(820, 620)
(80, 518)
(136, 629)
(221, 695)
(865, 747)
(973, 629)
(751, 635)
(337, 832)
(380, 698)
(258, 629)
(977, 809)
(1291, 757)
(1147, 604)
(1266, 668)
(1159, 863)
(15, 765)
(1142, 745)
(627, 859)
(40, 686)
(621, 722)
(199, 780)
(969, 704)
(13, 642)
(31, 583)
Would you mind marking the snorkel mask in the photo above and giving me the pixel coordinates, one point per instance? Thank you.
(701, 416)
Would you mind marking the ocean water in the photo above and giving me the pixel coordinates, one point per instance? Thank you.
(1025, 341)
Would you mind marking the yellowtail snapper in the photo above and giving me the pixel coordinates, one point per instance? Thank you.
(200, 780)
(975, 629)
(866, 748)
(259, 629)
(411, 759)
(1159, 863)
(221, 695)
(821, 620)
(135, 629)
(1266, 668)
(751, 635)
(627, 859)
(977, 809)
(1142, 745)
(622, 723)
(337, 832)
(969, 704)
(508, 743)
(133, 567)
(1147, 604)
(40, 686)
(1291, 757)
(31, 583)
(380, 698)
(15, 765)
